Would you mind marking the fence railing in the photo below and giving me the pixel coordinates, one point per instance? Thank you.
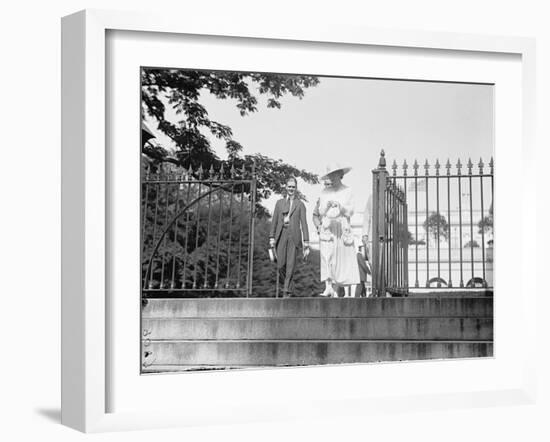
(197, 231)
(390, 241)
(450, 223)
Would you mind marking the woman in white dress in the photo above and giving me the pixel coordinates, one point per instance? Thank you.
(331, 216)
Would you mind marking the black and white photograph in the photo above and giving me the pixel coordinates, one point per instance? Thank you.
(292, 219)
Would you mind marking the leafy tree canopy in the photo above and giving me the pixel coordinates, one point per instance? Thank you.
(169, 92)
(436, 225)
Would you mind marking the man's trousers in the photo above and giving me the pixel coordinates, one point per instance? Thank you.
(287, 253)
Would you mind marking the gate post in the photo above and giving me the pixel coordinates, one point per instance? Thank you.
(379, 179)
(406, 246)
(251, 230)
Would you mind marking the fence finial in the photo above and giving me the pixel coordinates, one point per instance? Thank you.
(427, 167)
(394, 167)
(382, 160)
(437, 166)
(232, 171)
(459, 167)
(470, 165)
(491, 165)
(405, 167)
(448, 166)
(480, 164)
(415, 167)
(222, 172)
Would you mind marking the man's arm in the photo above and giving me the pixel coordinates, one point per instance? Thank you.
(274, 221)
(303, 224)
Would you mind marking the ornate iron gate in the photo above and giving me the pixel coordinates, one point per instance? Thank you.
(445, 241)
(197, 231)
(390, 240)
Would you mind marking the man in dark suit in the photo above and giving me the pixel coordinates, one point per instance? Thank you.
(289, 234)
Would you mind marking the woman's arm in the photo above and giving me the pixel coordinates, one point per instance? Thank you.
(316, 215)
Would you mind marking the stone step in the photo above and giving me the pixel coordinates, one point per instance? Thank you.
(319, 307)
(396, 328)
(456, 293)
(183, 355)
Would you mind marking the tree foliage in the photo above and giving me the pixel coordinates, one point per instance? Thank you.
(413, 241)
(169, 92)
(485, 225)
(436, 225)
(207, 246)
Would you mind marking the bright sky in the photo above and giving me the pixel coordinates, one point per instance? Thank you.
(350, 120)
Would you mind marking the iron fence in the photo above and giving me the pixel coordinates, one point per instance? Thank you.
(450, 223)
(197, 231)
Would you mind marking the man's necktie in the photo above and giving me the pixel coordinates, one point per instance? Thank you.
(286, 219)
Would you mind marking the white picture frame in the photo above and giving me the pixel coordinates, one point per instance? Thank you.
(85, 235)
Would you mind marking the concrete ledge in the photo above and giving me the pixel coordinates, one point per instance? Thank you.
(322, 328)
(180, 355)
(319, 307)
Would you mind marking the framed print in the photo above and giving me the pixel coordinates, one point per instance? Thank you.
(250, 214)
(257, 259)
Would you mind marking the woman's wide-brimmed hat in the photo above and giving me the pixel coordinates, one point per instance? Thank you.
(335, 167)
